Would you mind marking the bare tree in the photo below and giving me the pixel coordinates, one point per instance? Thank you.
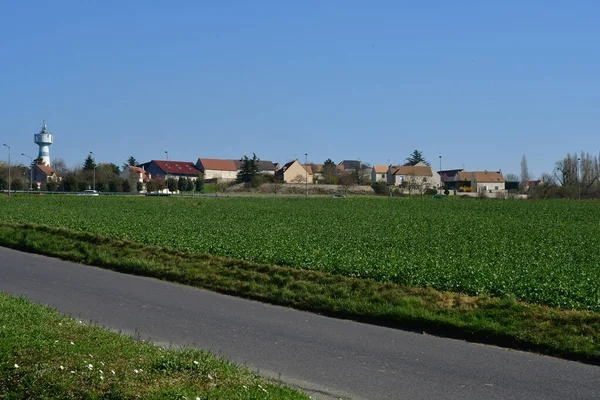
(299, 179)
(524, 174)
(565, 171)
(346, 181)
(589, 172)
(60, 166)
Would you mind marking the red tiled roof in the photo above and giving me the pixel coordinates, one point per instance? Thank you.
(411, 170)
(217, 165)
(380, 169)
(46, 169)
(482, 176)
(177, 167)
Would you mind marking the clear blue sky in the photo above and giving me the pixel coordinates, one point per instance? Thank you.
(477, 82)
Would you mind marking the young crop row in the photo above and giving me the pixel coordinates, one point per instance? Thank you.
(545, 252)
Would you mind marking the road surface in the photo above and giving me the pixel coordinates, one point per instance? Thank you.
(325, 357)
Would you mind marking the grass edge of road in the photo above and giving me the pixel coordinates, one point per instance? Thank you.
(44, 354)
(506, 322)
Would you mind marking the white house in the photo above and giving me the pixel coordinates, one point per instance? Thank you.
(419, 175)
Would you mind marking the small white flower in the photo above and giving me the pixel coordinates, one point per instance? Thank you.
(72, 372)
(56, 341)
(61, 367)
(112, 371)
(141, 370)
(91, 356)
(16, 365)
(102, 363)
(80, 322)
(210, 377)
(72, 343)
(136, 371)
(90, 366)
(195, 362)
(60, 324)
(101, 378)
(101, 372)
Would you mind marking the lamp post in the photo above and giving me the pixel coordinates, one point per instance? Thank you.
(440, 174)
(94, 178)
(8, 167)
(167, 177)
(306, 170)
(30, 171)
(578, 180)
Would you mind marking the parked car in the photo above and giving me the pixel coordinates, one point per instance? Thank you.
(89, 193)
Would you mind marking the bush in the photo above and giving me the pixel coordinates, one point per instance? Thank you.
(430, 192)
(380, 188)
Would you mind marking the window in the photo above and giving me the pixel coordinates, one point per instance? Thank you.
(496, 187)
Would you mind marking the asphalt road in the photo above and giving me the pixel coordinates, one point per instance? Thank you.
(325, 357)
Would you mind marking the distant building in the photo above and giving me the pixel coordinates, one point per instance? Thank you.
(379, 173)
(294, 172)
(266, 167)
(212, 168)
(43, 174)
(420, 175)
(485, 181)
(174, 169)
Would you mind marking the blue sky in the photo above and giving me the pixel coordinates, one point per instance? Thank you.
(477, 82)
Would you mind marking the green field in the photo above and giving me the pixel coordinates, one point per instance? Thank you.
(544, 252)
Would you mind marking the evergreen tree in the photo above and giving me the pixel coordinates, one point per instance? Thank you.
(249, 169)
(189, 184)
(329, 170)
(415, 158)
(131, 162)
(199, 183)
(182, 184)
(89, 164)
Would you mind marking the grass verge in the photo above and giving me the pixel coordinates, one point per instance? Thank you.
(572, 334)
(45, 355)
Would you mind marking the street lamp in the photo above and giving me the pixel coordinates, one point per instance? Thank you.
(167, 177)
(578, 180)
(94, 181)
(440, 173)
(30, 171)
(306, 170)
(8, 167)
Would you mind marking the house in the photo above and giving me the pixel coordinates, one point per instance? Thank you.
(485, 181)
(172, 169)
(379, 173)
(294, 172)
(265, 167)
(450, 175)
(351, 164)
(136, 174)
(43, 174)
(213, 169)
(415, 176)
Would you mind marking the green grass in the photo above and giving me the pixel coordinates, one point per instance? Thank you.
(44, 355)
(573, 334)
(542, 252)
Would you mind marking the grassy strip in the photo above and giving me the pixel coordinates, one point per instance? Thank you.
(45, 355)
(506, 322)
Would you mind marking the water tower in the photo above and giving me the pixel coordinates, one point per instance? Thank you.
(44, 139)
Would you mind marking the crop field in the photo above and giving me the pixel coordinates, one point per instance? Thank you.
(543, 252)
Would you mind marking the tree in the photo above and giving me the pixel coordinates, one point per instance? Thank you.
(512, 178)
(346, 180)
(59, 166)
(17, 184)
(131, 162)
(524, 174)
(565, 171)
(199, 183)
(329, 170)
(416, 157)
(182, 184)
(589, 175)
(361, 175)
(249, 169)
(139, 186)
(126, 186)
(51, 186)
(189, 185)
(171, 184)
(89, 164)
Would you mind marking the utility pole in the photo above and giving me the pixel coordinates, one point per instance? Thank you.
(94, 179)
(306, 170)
(167, 177)
(30, 171)
(440, 174)
(8, 167)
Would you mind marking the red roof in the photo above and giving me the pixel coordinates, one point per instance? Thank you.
(177, 167)
(46, 169)
(217, 165)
